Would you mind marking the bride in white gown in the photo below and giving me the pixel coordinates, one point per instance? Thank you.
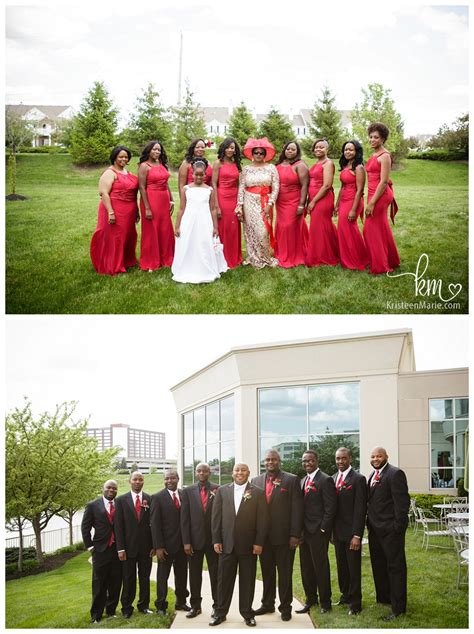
(197, 258)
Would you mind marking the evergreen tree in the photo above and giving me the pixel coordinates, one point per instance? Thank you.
(241, 124)
(188, 123)
(378, 106)
(149, 121)
(95, 128)
(326, 124)
(277, 129)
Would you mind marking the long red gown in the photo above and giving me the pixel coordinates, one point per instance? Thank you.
(291, 231)
(323, 247)
(113, 246)
(208, 179)
(351, 244)
(229, 226)
(157, 242)
(383, 254)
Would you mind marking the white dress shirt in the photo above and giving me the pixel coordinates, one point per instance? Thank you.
(239, 490)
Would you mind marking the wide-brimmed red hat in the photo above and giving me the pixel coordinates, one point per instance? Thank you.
(263, 143)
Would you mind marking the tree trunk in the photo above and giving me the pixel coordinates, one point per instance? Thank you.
(20, 549)
(71, 515)
(37, 529)
(12, 164)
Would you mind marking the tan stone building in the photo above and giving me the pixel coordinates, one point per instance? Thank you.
(362, 387)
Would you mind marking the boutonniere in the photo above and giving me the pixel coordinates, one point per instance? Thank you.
(247, 495)
(311, 487)
(376, 478)
(144, 505)
(276, 482)
(283, 489)
(212, 493)
(343, 486)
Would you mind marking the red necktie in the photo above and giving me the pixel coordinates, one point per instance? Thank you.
(307, 485)
(111, 513)
(375, 478)
(176, 500)
(203, 493)
(138, 507)
(269, 488)
(338, 485)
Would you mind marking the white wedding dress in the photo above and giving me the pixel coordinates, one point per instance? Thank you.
(195, 258)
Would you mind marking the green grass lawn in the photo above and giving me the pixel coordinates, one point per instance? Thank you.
(48, 269)
(61, 598)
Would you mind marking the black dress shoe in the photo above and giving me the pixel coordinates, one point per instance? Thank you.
(182, 606)
(193, 612)
(95, 620)
(161, 612)
(353, 612)
(250, 622)
(146, 611)
(286, 616)
(391, 616)
(342, 602)
(217, 620)
(305, 609)
(263, 610)
(324, 610)
(213, 613)
(128, 615)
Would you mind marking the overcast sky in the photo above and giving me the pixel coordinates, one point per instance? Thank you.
(121, 368)
(264, 52)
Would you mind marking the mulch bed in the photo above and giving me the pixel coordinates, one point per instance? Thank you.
(50, 563)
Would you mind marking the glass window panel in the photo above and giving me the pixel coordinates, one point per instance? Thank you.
(289, 447)
(212, 422)
(327, 445)
(462, 407)
(199, 455)
(227, 461)
(461, 428)
(188, 440)
(212, 452)
(282, 410)
(334, 408)
(199, 426)
(227, 418)
(188, 466)
(442, 478)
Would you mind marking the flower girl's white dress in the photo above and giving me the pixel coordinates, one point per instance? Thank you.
(196, 259)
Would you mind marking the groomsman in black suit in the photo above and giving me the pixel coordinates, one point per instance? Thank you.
(196, 511)
(133, 537)
(285, 506)
(239, 529)
(168, 544)
(106, 566)
(387, 520)
(351, 490)
(319, 511)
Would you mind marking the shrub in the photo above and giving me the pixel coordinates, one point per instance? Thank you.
(70, 549)
(45, 149)
(426, 501)
(29, 564)
(437, 155)
(11, 554)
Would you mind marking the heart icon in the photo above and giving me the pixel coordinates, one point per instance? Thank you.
(454, 289)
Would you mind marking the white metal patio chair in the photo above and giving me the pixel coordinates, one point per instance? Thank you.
(461, 545)
(432, 529)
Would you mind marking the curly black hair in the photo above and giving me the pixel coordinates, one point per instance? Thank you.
(223, 147)
(145, 155)
(190, 150)
(282, 156)
(116, 151)
(358, 158)
(381, 128)
(199, 159)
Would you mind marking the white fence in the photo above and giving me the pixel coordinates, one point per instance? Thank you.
(50, 540)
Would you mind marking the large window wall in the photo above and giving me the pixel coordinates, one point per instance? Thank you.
(292, 419)
(209, 436)
(449, 425)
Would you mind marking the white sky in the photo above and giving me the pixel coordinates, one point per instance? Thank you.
(265, 52)
(120, 368)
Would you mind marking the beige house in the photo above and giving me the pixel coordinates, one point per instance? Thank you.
(363, 387)
(44, 119)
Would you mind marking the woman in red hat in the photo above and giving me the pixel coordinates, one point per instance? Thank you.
(258, 191)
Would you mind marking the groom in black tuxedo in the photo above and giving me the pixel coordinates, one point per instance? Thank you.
(239, 528)
(387, 521)
(106, 566)
(285, 506)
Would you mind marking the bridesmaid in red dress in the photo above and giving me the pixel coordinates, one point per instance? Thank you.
(115, 238)
(383, 254)
(323, 247)
(350, 206)
(156, 205)
(225, 181)
(196, 149)
(291, 229)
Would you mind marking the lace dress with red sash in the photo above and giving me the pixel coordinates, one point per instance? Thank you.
(112, 248)
(258, 186)
(351, 244)
(378, 237)
(291, 231)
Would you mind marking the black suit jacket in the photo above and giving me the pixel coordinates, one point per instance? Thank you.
(239, 531)
(351, 506)
(131, 535)
(96, 517)
(165, 521)
(285, 507)
(320, 504)
(388, 501)
(195, 524)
